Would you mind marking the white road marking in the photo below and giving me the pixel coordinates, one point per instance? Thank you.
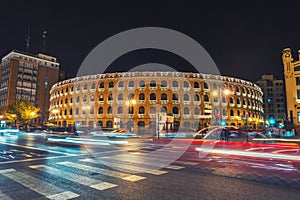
(106, 172)
(126, 167)
(44, 188)
(139, 160)
(100, 185)
(35, 148)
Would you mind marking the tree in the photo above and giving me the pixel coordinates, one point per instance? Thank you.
(21, 111)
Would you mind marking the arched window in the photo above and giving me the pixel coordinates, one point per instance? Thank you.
(196, 97)
(164, 97)
(109, 97)
(120, 97)
(231, 113)
(111, 84)
(100, 110)
(196, 85)
(206, 85)
(238, 113)
(244, 102)
(238, 101)
(71, 111)
(215, 86)
(109, 110)
(141, 124)
(206, 98)
(131, 84)
(101, 86)
(152, 83)
(66, 100)
(175, 110)
(175, 97)
(196, 111)
(78, 99)
(223, 100)
(120, 110)
(152, 96)
(78, 87)
(101, 97)
(164, 84)
(93, 86)
(224, 112)
(121, 84)
(163, 109)
(77, 111)
(109, 124)
(186, 97)
(186, 110)
(142, 84)
(65, 112)
(100, 123)
(141, 96)
(174, 84)
(237, 89)
(141, 110)
(186, 84)
(85, 86)
(231, 100)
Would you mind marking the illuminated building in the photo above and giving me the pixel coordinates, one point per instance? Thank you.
(273, 98)
(292, 85)
(28, 77)
(192, 100)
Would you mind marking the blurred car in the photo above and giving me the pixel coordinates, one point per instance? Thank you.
(220, 133)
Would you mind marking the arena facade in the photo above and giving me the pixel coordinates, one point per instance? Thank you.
(135, 100)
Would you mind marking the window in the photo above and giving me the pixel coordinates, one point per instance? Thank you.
(186, 84)
(174, 84)
(206, 98)
(101, 86)
(109, 97)
(186, 111)
(71, 111)
(131, 84)
(196, 111)
(238, 101)
(164, 97)
(77, 111)
(120, 97)
(121, 84)
(196, 85)
(206, 86)
(298, 94)
(130, 96)
(142, 84)
(78, 87)
(101, 97)
(163, 109)
(237, 89)
(153, 84)
(164, 84)
(84, 98)
(109, 110)
(93, 86)
(231, 100)
(141, 96)
(111, 84)
(66, 101)
(120, 110)
(175, 110)
(100, 110)
(186, 97)
(231, 113)
(175, 97)
(141, 110)
(78, 99)
(152, 110)
(85, 86)
(152, 97)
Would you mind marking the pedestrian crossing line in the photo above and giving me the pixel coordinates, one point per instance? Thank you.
(44, 188)
(107, 172)
(141, 161)
(99, 185)
(126, 167)
(4, 196)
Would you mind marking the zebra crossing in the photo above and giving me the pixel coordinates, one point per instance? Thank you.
(126, 168)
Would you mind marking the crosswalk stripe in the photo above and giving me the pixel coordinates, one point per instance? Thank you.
(143, 162)
(99, 185)
(106, 172)
(44, 188)
(4, 196)
(123, 166)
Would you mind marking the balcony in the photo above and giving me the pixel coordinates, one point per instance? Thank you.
(141, 115)
(142, 88)
(130, 88)
(163, 101)
(176, 115)
(186, 89)
(197, 103)
(186, 116)
(197, 89)
(175, 101)
(231, 104)
(164, 88)
(216, 103)
(186, 102)
(141, 101)
(152, 116)
(152, 88)
(120, 88)
(175, 88)
(152, 101)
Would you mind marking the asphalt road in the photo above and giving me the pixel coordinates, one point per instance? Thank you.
(34, 168)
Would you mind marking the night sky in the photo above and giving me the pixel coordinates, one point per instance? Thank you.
(244, 39)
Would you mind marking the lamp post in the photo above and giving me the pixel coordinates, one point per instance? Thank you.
(130, 103)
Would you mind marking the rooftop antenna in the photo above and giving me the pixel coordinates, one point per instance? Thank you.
(27, 39)
(44, 36)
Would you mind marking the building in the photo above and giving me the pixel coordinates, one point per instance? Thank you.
(292, 85)
(273, 99)
(28, 77)
(135, 99)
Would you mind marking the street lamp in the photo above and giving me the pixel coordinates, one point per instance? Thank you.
(130, 103)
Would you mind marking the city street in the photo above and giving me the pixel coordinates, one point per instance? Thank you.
(32, 167)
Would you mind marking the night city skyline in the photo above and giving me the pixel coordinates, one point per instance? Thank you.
(245, 41)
